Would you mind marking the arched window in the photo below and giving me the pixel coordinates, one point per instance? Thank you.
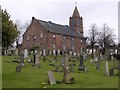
(54, 36)
(28, 38)
(41, 35)
(34, 37)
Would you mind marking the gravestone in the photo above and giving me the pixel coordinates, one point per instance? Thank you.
(36, 60)
(25, 53)
(16, 52)
(66, 78)
(111, 72)
(44, 53)
(98, 62)
(51, 78)
(106, 69)
(72, 67)
(22, 60)
(18, 68)
(57, 68)
(98, 65)
(95, 58)
(62, 64)
(81, 65)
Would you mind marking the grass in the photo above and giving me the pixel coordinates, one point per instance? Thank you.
(31, 77)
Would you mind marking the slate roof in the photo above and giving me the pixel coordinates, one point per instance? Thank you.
(60, 29)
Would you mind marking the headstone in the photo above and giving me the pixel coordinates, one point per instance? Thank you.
(50, 52)
(44, 53)
(29, 61)
(18, 68)
(40, 52)
(25, 53)
(22, 60)
(95, 58)
(81, 65)
(58, 52)
(72, 67)
(57, 68)
(112, 72)
(106, 69)
(36, 60)
(51, 78)
(98, 65)
(66, 78)
(16, 52)
(54, 53)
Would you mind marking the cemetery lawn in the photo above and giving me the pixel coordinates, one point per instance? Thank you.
(31, 77)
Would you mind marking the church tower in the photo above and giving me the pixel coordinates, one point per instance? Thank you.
(76, 21)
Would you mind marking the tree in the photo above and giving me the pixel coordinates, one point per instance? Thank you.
(92, 38)
(9, 32)
(106, 38)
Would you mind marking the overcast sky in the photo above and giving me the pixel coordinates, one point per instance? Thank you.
(59, 11)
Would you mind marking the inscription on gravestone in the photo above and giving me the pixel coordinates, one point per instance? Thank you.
(51, 78)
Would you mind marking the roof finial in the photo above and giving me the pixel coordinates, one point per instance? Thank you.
(75, 4)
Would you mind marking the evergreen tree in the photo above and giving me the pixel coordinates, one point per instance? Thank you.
(9, 31)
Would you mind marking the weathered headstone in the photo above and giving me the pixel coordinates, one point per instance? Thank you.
(72, 67)
(57, 68)
(51, 78)
(22, 60)
(95, 58)
(98, 65)
(18, 68)
(66, 78)
(36, 60)
(44, 53)
(25, 53)
(81, 65)
(106, 69)
(16, 52)
(112, 72)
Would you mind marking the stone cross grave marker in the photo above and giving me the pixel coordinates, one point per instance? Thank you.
(51, 78)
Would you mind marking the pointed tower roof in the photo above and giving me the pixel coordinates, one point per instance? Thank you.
(76, 13)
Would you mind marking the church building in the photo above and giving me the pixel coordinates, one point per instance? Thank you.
(49, 37)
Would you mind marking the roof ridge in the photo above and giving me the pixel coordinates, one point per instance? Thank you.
(53, 23)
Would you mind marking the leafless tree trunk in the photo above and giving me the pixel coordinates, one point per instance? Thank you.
(106, 38)
(92, 38)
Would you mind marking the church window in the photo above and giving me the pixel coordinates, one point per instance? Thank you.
(54, 36)
(72, 43)
(73, 23)
(34, 37)
(79, 22)
(41, 35)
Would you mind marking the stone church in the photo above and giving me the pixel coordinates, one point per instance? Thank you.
(50, 38)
